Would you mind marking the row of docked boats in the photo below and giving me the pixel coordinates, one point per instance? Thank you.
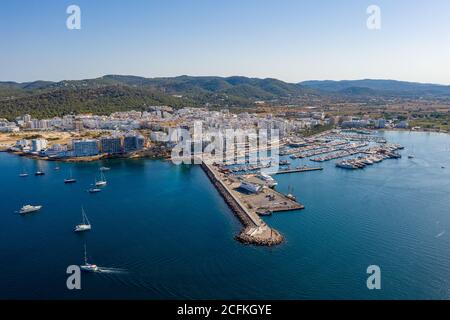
(329, 149)
(362, 162)
(245, 168)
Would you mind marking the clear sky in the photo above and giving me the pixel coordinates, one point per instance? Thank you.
(292, 40)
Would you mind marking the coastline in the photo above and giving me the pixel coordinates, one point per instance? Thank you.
(147, 154)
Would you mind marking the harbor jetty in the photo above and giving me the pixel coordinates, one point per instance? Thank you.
(247, 205)
(298, 170)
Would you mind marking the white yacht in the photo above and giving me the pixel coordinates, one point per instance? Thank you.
(85, 225)
(345, 165)
(105, 169)
(87, 267)
(102, 182)
(270, 181)
(23, 174)
(29, 209)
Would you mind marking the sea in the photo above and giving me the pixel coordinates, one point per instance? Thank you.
(162, 231)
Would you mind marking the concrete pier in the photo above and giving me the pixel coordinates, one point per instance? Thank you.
(255, 230)
(299, 170)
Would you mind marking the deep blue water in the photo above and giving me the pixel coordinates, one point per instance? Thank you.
(172, 232)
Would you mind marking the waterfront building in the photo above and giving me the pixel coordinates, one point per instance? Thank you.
(380, 123)
(133, 143)
(55, 150)
(38, 145)
(85, 148)
(111, 145)
(22, 143)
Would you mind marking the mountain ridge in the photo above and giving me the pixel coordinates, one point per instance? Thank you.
(125, 92)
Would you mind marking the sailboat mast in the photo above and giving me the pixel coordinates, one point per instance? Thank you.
(85, 255)
(82, 215)
(85, 219)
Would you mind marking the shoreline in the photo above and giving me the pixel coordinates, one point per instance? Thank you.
(137, 155)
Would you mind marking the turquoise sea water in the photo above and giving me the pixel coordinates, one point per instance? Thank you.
(172, 233)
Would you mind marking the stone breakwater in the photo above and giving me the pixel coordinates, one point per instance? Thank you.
(255, 231)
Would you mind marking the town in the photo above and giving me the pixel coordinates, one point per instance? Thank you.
(153, 133)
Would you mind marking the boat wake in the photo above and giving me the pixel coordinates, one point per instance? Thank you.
(112, 270)
(440, 234)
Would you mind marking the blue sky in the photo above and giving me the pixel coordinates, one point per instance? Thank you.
(293, 40)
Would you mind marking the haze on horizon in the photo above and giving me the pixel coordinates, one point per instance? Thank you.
(291, 40)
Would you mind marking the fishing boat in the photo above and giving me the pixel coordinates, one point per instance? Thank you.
(85, 225)
(70, 180)
(102, 182)
(87, 267)
(29, 209)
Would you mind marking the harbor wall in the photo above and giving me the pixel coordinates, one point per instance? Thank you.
(253, 224)
(229, 199)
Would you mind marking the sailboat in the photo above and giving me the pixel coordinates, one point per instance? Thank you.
(71, 179)
(39, 172)
(102, 182)
(85, 225)
(87, 266)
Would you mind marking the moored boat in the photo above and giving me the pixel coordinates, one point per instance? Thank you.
(29, 209)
